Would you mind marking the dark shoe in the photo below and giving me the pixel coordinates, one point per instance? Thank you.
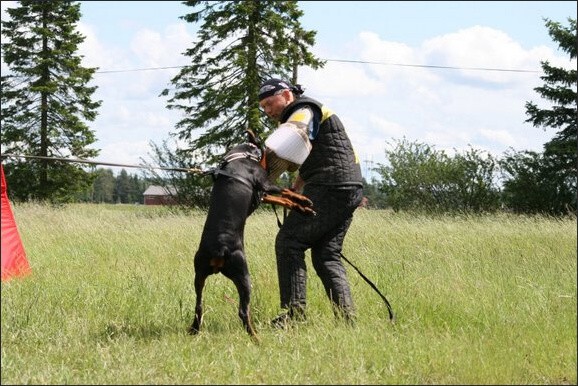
(286, 319)
(349, 319)
(281, 321)
(345, 315)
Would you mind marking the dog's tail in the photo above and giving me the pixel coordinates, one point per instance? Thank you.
(218, 261)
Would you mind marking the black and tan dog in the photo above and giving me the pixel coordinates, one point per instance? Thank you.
(240, 185)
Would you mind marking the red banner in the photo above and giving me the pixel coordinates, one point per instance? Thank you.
(14, 262)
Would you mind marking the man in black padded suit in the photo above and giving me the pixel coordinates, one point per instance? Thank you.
(313, 140)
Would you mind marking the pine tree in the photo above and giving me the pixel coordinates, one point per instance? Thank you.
(240, 43)
(559, 159)
(104, 186)
(45, 100)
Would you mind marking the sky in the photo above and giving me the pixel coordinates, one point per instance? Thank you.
(386, 75)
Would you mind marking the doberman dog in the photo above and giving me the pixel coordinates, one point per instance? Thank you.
(240, 185)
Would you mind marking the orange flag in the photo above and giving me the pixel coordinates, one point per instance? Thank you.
(14, 261)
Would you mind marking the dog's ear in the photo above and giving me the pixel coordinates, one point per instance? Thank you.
(255, 141)
(253, 138)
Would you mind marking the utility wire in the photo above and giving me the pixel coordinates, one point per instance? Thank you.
(138, 69)
(431, 66)
(354, 61)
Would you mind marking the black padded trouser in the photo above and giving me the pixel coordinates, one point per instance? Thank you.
(324, 235)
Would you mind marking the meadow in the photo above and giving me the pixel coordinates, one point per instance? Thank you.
(478, 299)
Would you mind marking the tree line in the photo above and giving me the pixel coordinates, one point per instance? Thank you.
(107, 188)
(47, 106)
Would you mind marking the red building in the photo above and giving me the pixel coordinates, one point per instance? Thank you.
(160, 195)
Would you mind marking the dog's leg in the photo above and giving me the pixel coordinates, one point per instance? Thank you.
(244, 289)
(199, 285)
(238, 272)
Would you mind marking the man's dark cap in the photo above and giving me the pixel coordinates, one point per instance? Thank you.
(271, 86)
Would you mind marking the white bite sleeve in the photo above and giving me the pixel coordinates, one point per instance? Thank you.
(290, 143)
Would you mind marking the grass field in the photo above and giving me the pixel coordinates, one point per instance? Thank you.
(478, 300)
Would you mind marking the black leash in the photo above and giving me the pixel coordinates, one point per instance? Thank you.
(389, 308)
(279, 224)
(86, 161)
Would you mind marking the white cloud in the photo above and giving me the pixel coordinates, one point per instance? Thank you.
(478, 47)
(339, 79)
(125, 153)
(156, 49)
(499, 136)
(446, 108)
(96, 54)
(132, 114)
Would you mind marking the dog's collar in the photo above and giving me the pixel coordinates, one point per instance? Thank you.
(244, 154)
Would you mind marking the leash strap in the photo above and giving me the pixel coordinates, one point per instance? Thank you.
(91, 162)
(389, 309)
(279, 224)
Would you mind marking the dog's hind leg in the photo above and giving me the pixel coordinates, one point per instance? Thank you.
(243, 285)
(238, 272)
(199, 285)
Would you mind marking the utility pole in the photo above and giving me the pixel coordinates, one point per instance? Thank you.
(368, 169)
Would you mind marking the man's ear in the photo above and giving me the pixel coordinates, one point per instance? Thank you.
(288, 94)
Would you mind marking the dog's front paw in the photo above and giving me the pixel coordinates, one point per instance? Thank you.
(306, 210)
(290, 204)
(296, 197)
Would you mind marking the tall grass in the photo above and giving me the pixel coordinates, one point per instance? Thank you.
(478, 300)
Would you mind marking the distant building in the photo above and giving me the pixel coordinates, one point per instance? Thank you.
(159, 195)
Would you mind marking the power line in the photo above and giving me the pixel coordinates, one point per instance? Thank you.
(354, 61)
(431, 66)
(138, 69)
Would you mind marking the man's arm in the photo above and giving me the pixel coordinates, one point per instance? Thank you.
(289, 145)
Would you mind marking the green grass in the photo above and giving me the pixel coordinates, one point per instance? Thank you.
(478, 300)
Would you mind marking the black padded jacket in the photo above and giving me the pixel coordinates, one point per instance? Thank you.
(332, 160)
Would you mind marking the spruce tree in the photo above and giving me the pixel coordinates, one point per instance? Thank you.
(240, 43)
(104, 186)
(559, 161)
(46, 100)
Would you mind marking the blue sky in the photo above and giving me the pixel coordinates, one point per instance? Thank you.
(448, 109)
(412, 22)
